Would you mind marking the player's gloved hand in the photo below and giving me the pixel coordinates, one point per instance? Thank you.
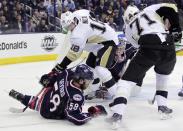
(97, 110)
(58, 68)
(177, 34)
(48, 80)
(101, 93)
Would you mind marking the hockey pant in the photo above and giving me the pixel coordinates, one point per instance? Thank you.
(44, 105)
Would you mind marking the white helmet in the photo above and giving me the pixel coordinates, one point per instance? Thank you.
(66, 19)
(129, 13)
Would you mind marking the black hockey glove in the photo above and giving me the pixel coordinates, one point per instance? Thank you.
(48, 80)
(97, 110)
(62, 66)
(58, 68)
(177, 34)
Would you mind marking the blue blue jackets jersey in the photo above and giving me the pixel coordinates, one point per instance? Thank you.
(64, 101)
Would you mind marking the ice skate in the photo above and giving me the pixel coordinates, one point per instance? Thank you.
(16, 95)
(180, 93)
(165, 112)
(115, 120)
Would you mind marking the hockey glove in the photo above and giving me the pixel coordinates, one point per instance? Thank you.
(101, 93)
(62, 66)
(48, 80)
(97, 110)
(177, 34)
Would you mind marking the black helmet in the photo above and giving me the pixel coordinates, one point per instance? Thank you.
(83, 72)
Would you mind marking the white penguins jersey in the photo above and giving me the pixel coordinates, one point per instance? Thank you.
(87, 33)
(147, 22)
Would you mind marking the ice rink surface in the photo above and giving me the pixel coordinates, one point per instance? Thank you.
(140, 116)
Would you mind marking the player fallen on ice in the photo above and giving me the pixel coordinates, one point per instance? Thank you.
(62, 97)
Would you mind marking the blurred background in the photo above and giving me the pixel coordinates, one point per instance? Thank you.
(35, 16)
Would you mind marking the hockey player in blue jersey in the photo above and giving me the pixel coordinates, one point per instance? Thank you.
(62, 97)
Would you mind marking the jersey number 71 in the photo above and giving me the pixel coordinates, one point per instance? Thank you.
(139, 27)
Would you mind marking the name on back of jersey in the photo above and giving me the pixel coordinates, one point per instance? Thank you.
(61, 88)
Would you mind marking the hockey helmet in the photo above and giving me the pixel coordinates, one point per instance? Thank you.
(129, 13)
(66, 19)
(83, 72)
(83, 75)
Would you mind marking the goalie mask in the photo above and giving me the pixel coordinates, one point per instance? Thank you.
(129, 13)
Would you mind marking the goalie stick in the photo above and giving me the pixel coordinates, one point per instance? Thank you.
(18, 110)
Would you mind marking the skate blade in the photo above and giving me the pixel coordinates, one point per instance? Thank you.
(115, 125)
(164, 116)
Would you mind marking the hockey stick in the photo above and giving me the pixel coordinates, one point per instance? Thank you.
(18, 110)
(151, 102)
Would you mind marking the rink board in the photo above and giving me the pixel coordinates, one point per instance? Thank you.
(46, 46)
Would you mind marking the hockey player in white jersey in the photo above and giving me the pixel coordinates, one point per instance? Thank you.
(146, 30)
(94, 36)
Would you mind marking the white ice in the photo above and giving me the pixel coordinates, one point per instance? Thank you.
(140, 116)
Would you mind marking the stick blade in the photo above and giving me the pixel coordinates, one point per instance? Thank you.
(150, 102)
(15, 110)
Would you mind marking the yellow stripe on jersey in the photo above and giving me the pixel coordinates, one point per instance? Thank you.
(95, 39)
(105, 57)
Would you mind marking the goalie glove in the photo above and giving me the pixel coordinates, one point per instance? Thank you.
(97, 110)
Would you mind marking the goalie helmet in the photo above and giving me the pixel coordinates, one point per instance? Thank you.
(129, 13)
(66, 19)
